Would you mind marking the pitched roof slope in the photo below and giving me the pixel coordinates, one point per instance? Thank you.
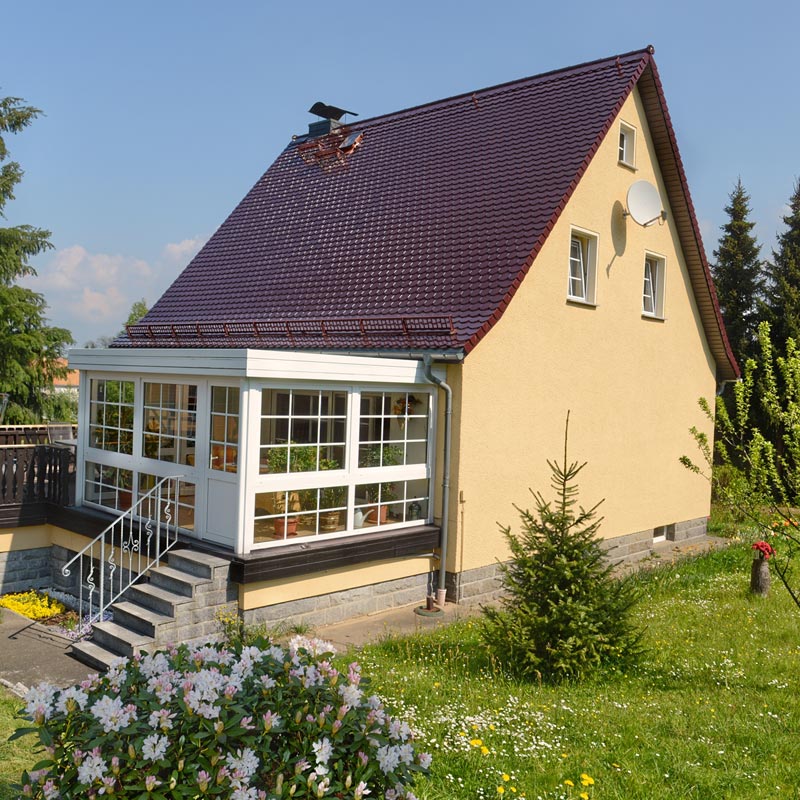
(416, 239)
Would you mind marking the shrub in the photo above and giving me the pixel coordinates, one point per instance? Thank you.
(32, 604)
(240, 722)
(563, 614)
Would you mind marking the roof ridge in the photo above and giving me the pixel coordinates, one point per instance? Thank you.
(498, 88)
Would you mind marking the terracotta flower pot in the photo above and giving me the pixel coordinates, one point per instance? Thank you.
(287, 527)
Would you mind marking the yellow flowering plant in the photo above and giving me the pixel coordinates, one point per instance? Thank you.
(33, 605)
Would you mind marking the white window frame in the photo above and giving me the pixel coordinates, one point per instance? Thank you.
(582, 271)
(654, 279)
(626, 149)
(351, 475)
(136, 461)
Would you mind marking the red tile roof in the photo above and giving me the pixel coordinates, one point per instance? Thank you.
(416, 239)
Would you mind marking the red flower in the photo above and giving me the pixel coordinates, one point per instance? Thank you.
(765, 548)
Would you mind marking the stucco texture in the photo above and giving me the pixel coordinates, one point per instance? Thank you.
(630, 383)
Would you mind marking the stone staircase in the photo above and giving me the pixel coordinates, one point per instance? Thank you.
(175, 603)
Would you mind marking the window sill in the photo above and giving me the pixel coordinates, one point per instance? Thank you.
(300, 558)
(653, 317)
(577, 301)
(631, 167)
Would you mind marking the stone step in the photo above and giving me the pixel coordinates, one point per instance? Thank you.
(139, 618)
(93, 655)
(202, 565)
(176, 580)
(156, 598)
(119, 639)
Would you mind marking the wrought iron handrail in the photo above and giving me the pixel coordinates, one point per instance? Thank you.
(140, 537)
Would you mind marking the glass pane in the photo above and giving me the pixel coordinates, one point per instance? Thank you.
(219, 399)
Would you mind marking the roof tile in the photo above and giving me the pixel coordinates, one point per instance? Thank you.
(439, 212)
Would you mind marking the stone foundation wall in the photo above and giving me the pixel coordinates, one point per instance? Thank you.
(329, 609)
(690, 529)
(21, 570)
(474, 586)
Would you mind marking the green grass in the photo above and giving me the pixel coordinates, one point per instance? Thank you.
(14, 756)
(712, 712)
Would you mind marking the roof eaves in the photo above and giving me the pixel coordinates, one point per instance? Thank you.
(654, 101)
(647, 54)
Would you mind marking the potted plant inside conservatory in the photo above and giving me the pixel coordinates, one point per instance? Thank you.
(378, 495)
(333, 500)
(297, 459)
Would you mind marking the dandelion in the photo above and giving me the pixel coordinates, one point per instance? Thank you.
(584, 795)
(501, 790)
(568, 782)
(586, 780)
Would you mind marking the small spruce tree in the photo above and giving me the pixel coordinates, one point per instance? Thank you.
(563, 613)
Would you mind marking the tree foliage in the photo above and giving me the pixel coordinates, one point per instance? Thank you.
(783, 294)
(739, 275)
(30, 349)
(760, 476)
(564, 614)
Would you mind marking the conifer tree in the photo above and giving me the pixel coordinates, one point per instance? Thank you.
(29, 347)
(739, 275)
(784, 273)
(564, 614)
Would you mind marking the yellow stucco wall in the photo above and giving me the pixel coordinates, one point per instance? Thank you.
(28, 538)
(630, 383)
(268, 593)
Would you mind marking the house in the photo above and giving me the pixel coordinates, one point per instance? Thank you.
(372, 359)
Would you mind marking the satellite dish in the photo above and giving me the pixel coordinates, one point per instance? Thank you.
(644, 203)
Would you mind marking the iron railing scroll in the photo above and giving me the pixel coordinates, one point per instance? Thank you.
(136, 541)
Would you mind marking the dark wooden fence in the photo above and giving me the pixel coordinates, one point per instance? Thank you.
(36, 434)
(32, 476)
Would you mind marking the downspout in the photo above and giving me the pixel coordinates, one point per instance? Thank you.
(427, 361)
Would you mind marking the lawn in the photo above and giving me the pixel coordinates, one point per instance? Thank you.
(712, 712)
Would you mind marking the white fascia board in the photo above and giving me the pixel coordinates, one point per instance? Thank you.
(243, 363)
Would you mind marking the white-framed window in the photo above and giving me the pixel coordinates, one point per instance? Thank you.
(627, 144)
(138, 421)
(111, 412)
(653, 290)
(341, 460)
(170, 422)
(224, 429)
(582, 266)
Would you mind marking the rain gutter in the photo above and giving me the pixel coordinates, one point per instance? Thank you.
(427, 362)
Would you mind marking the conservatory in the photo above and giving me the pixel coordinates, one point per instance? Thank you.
(266, 448)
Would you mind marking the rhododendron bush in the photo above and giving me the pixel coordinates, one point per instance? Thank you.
(245, 722)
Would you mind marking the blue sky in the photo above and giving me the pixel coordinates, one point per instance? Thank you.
(161, 115)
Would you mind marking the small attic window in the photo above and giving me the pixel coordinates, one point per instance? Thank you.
(627, 145)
